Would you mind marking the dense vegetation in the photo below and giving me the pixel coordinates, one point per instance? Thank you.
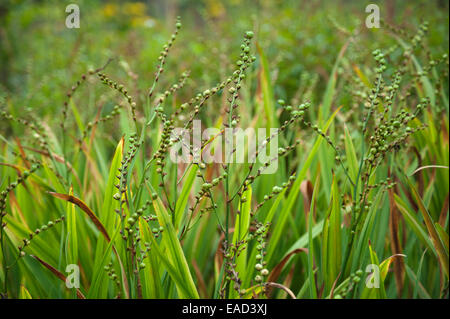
(86, 123)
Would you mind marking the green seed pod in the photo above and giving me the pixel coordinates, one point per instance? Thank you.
(249, 34)
(276, 189)
(206, 186)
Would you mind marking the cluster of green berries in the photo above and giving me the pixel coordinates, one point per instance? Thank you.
(123, 172)
(159, 109)
(43, 228)
(231, 252)
(165, 144)
(199, 101)
(133, 219)
(387, 183)
(419, 37)
(4, 193)
(171, 91)
(282, 151)
(39, 133)
(114, 277)
(432, 64)
(402, 32)
(275, 191)
(163, 55)
(391, 133)
(348, 285)
(207, 209)
(69, 95)
(207, 186)
(327, 138)
(157, 231)
(121, 89)
(205, 191)
(114, 113)
(298, 112)
(244, 62)
(260, 267)
(143, 253)
(381, 61)
(74, 88)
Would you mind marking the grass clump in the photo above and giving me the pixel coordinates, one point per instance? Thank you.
(361, 148)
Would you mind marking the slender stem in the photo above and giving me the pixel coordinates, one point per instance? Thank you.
(355, 188)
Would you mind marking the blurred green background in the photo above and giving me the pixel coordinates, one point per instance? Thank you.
(40, 58)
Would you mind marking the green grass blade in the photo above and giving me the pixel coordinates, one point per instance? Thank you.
(435, 239)
(241, 232)
(174, 251)
(184, 196)
(311, 275)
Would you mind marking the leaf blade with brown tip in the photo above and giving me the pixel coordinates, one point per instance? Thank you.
(84, 208)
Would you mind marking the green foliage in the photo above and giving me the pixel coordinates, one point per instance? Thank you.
(86, 176)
